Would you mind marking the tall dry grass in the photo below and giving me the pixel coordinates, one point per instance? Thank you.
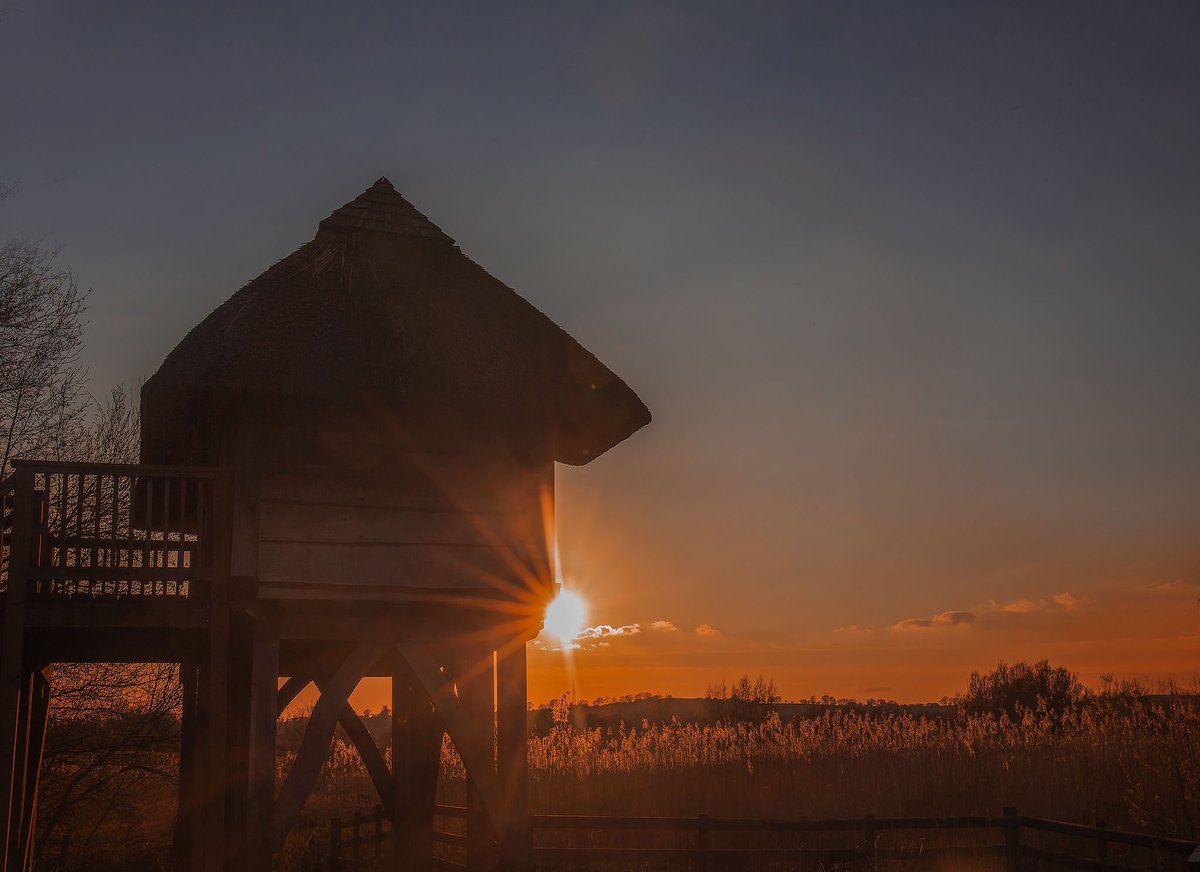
(1132, 765)
(1135, 766)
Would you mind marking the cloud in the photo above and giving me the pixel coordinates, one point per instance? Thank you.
(1020, 606)
(607, 631)
(851, 628)
(1176, 585)
(1069, 601)
(1065, 601)
(707, 630)
(664, 627)
(945, 619)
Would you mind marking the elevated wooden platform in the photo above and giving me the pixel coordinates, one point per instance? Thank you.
(112, 563)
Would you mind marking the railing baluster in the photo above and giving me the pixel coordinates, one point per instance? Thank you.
(183, 489)
(78, 531)
(112, 533)
(59, 558)
(131, 488)
(95, 549)
(150, 480)
(166, 528)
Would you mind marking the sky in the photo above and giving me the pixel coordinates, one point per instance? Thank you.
(911, 290)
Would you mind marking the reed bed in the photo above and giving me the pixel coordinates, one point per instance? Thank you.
(1133, 765)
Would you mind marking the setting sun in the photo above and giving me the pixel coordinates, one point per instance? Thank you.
(566, 615)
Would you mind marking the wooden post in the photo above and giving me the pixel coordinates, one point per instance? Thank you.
(416, 758)
(378, 852)
(187, 820)
(39, 715)
(512, 742)
(869, 835)
(263, 715)
(19, 772)
(1012, 840)
(214, 723)
(1101, 841)
(335, 844)
(703, 839)
(355, 838)
(12, 666)
(237, 777)
(475, 689)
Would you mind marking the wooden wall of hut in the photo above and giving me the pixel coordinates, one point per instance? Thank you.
(352, 501)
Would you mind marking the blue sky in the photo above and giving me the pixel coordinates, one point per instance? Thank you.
(911, 288)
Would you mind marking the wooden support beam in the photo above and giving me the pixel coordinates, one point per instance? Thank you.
(368, 751)
(512, 759)
(472, 740)
(290, 690)
(314, 747)
(416, 759)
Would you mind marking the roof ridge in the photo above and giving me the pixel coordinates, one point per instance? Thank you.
(383, 209)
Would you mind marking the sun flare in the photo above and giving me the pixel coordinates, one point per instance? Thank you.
(566, 615)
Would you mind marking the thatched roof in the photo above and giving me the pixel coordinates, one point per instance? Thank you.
(382, 308)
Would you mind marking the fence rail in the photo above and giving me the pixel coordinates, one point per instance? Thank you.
(703, 854)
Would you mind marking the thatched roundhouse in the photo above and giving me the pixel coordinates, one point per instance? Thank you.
(392, 410)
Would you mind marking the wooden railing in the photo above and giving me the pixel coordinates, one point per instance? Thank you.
(104, 530)
(1009, 843)
(362, 838)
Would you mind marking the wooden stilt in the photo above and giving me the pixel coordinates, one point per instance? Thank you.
(12, 668)
(237, 779)
(416, 758)
(188, 815)
(21, 743)
(512, 758)
(214, 687)
(475, 689)
(38, 689)
(264, 692)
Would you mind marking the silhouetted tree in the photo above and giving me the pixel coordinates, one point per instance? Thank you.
(745, 700)
(43, 399)
(1022, 686)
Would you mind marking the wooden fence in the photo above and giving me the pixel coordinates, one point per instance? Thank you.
(365, 842)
